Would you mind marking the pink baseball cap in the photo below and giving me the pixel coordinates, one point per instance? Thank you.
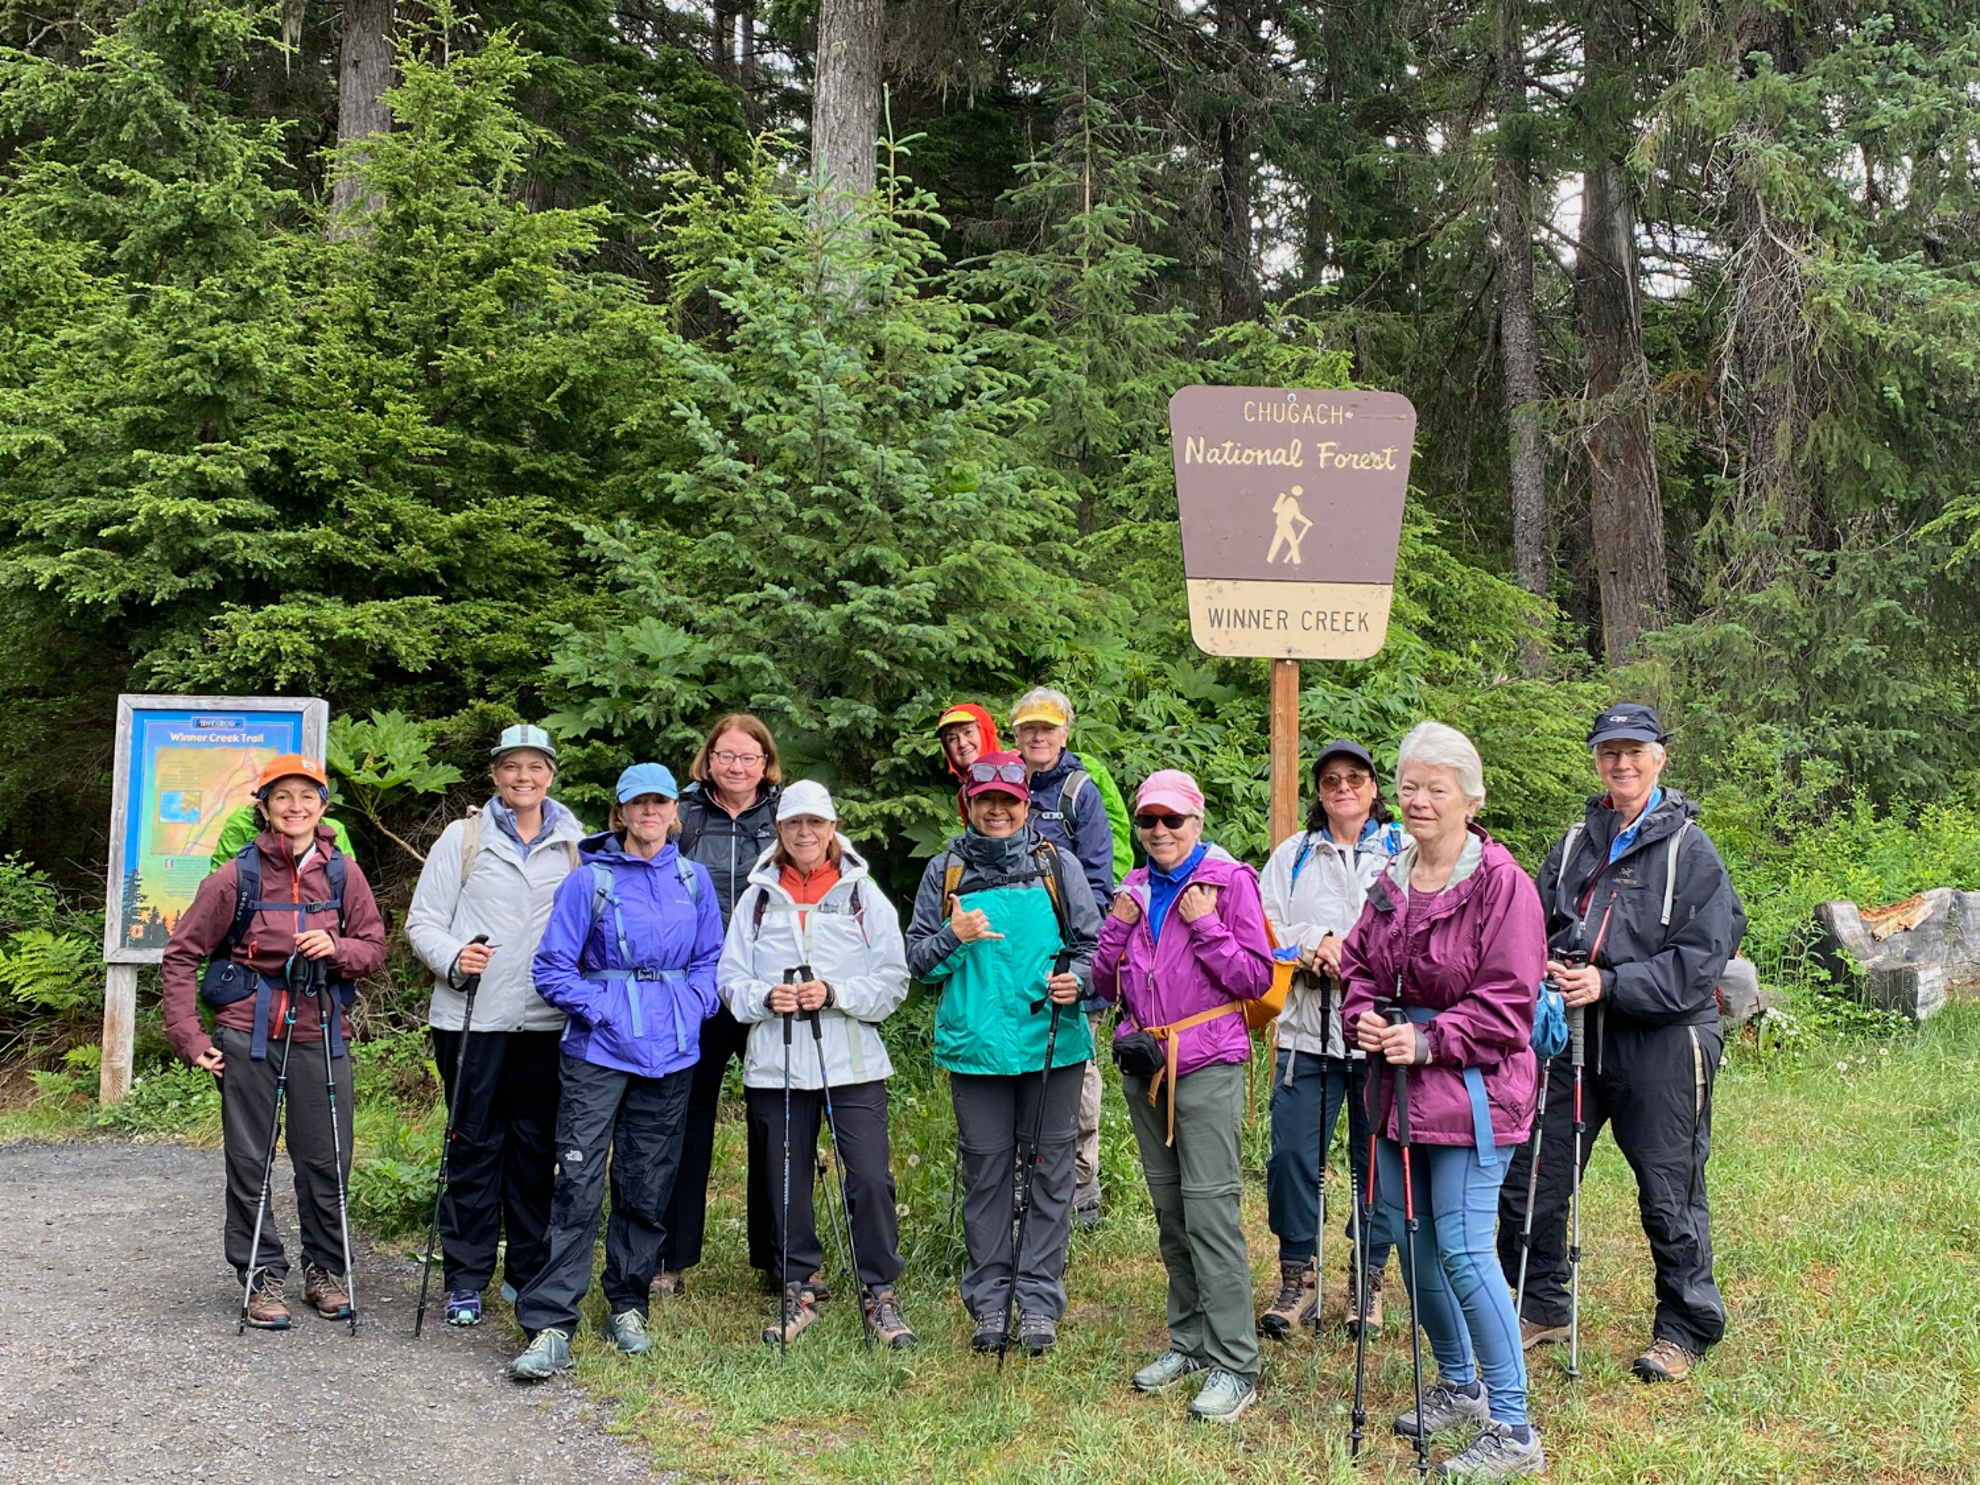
(1169, 789)
(997, 773)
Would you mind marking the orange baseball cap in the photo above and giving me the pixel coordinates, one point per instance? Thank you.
(290, 766)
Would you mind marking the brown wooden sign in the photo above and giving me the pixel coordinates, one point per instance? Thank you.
(1291, 503)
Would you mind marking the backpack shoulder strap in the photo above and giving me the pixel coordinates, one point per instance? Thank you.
(756, 913)
(470, 843)
(571, 852)
(339, 869)
(247, 895)
(1569, 843)
(1671, 872)
(1069, 793)
(1305, 850)
(1055, 887)
(952, 872)
(684, 869)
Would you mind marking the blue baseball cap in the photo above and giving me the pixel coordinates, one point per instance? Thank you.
(647, 778)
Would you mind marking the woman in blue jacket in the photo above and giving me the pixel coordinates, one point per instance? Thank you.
(629, 955)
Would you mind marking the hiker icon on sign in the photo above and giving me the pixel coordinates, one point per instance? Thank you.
(1292, 527)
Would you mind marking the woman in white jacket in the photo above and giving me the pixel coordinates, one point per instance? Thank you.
(1313, 886)
(495, 874)
(814, 961)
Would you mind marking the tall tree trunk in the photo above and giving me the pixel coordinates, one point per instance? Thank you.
(1770, 334)
(364, 72)
(1519, 334)
(1239, 46)
(845, 105)
(1625, 504)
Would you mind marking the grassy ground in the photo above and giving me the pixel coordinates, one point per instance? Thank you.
(1847, 1205)
(1846, 1211)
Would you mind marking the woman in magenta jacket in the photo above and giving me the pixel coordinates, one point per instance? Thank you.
(1452, 932)
(1183, 948)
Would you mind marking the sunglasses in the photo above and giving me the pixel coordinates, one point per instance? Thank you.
(997, 773)
(1149, 822)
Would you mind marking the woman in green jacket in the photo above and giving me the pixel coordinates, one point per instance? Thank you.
(1003, 926)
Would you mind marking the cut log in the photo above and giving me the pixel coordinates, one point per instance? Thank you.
(1907, 957)
(1741, 996)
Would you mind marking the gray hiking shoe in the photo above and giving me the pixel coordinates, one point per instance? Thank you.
(1224, 1397)
(989, 1333)
(1496, 1455)
(548, 1354)
(1037, 1333)
(1166, 1370)
(627, 1330)
(1444, 1407)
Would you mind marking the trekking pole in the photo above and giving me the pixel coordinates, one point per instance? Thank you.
(326, 1007)
(1397, 1017)
(1062, 964)
(291, 990)
(443, 1177)
(1532, 1190)
(784, 1246)
(1364, 1214)
(839, 1160)
(1578, 1057)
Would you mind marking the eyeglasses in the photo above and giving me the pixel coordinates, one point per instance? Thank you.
(997, 773)
(747, 760)
(1357, 780)
(1149, 822)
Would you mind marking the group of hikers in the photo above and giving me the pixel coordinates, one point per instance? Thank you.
(613, 977)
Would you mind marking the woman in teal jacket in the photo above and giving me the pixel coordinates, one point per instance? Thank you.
(1003, 925)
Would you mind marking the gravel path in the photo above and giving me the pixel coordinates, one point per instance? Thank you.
(119, 1362)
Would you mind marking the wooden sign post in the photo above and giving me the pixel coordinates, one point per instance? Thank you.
(1291, 504)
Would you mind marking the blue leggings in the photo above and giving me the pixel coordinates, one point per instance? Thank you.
(1461, 1294)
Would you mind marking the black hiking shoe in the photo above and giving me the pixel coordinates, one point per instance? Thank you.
(989, 1333)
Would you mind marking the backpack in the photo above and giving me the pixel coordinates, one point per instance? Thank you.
(1109, 794)
(227, 980)
(471, 845)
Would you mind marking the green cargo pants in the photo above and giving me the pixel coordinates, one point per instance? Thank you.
(1195, 1185)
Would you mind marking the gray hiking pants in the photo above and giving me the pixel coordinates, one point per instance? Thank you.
(994, 1117)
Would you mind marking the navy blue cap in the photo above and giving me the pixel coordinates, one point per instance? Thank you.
(1626, 721)
(1341, 746)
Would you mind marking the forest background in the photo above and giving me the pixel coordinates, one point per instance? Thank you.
(466, 367)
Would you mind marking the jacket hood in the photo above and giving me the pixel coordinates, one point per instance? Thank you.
(852, 866)
(986, 734)
(1671, 812)
(997, 853)
(610, 847)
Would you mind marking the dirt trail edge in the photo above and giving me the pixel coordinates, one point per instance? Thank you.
(120, 1362)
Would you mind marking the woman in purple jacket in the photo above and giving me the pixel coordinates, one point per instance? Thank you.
(1452, 936)
(1183, 949)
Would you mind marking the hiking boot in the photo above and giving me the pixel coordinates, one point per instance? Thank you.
(1372, 1313)
(548, 1353)
(800, 1313)
(1037, 1333)
(324, 1291)
(883, 1308)
(1224, 1397)
(627, 1330)
(1444, 1406)
(1298, 1302)
(667, 1283)
(266, 1309)
(1086, 1215)
(1665, 1361)
(1532, 1333)
(1166, 1370)
(989, 1333)
(1496, 1454)
(820, 1290)
(464, 1307)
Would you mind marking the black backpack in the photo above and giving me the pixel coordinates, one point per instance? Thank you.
(227, 980)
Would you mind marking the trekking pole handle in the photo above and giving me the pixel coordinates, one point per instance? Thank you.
(1577, 1018)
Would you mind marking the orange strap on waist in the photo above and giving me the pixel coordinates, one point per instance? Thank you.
(1172, 1044)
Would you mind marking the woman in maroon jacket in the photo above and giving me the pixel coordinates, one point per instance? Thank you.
(297, 913)
(1452, 936)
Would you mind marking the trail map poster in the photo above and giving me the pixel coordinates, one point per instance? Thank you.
(184, 764)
